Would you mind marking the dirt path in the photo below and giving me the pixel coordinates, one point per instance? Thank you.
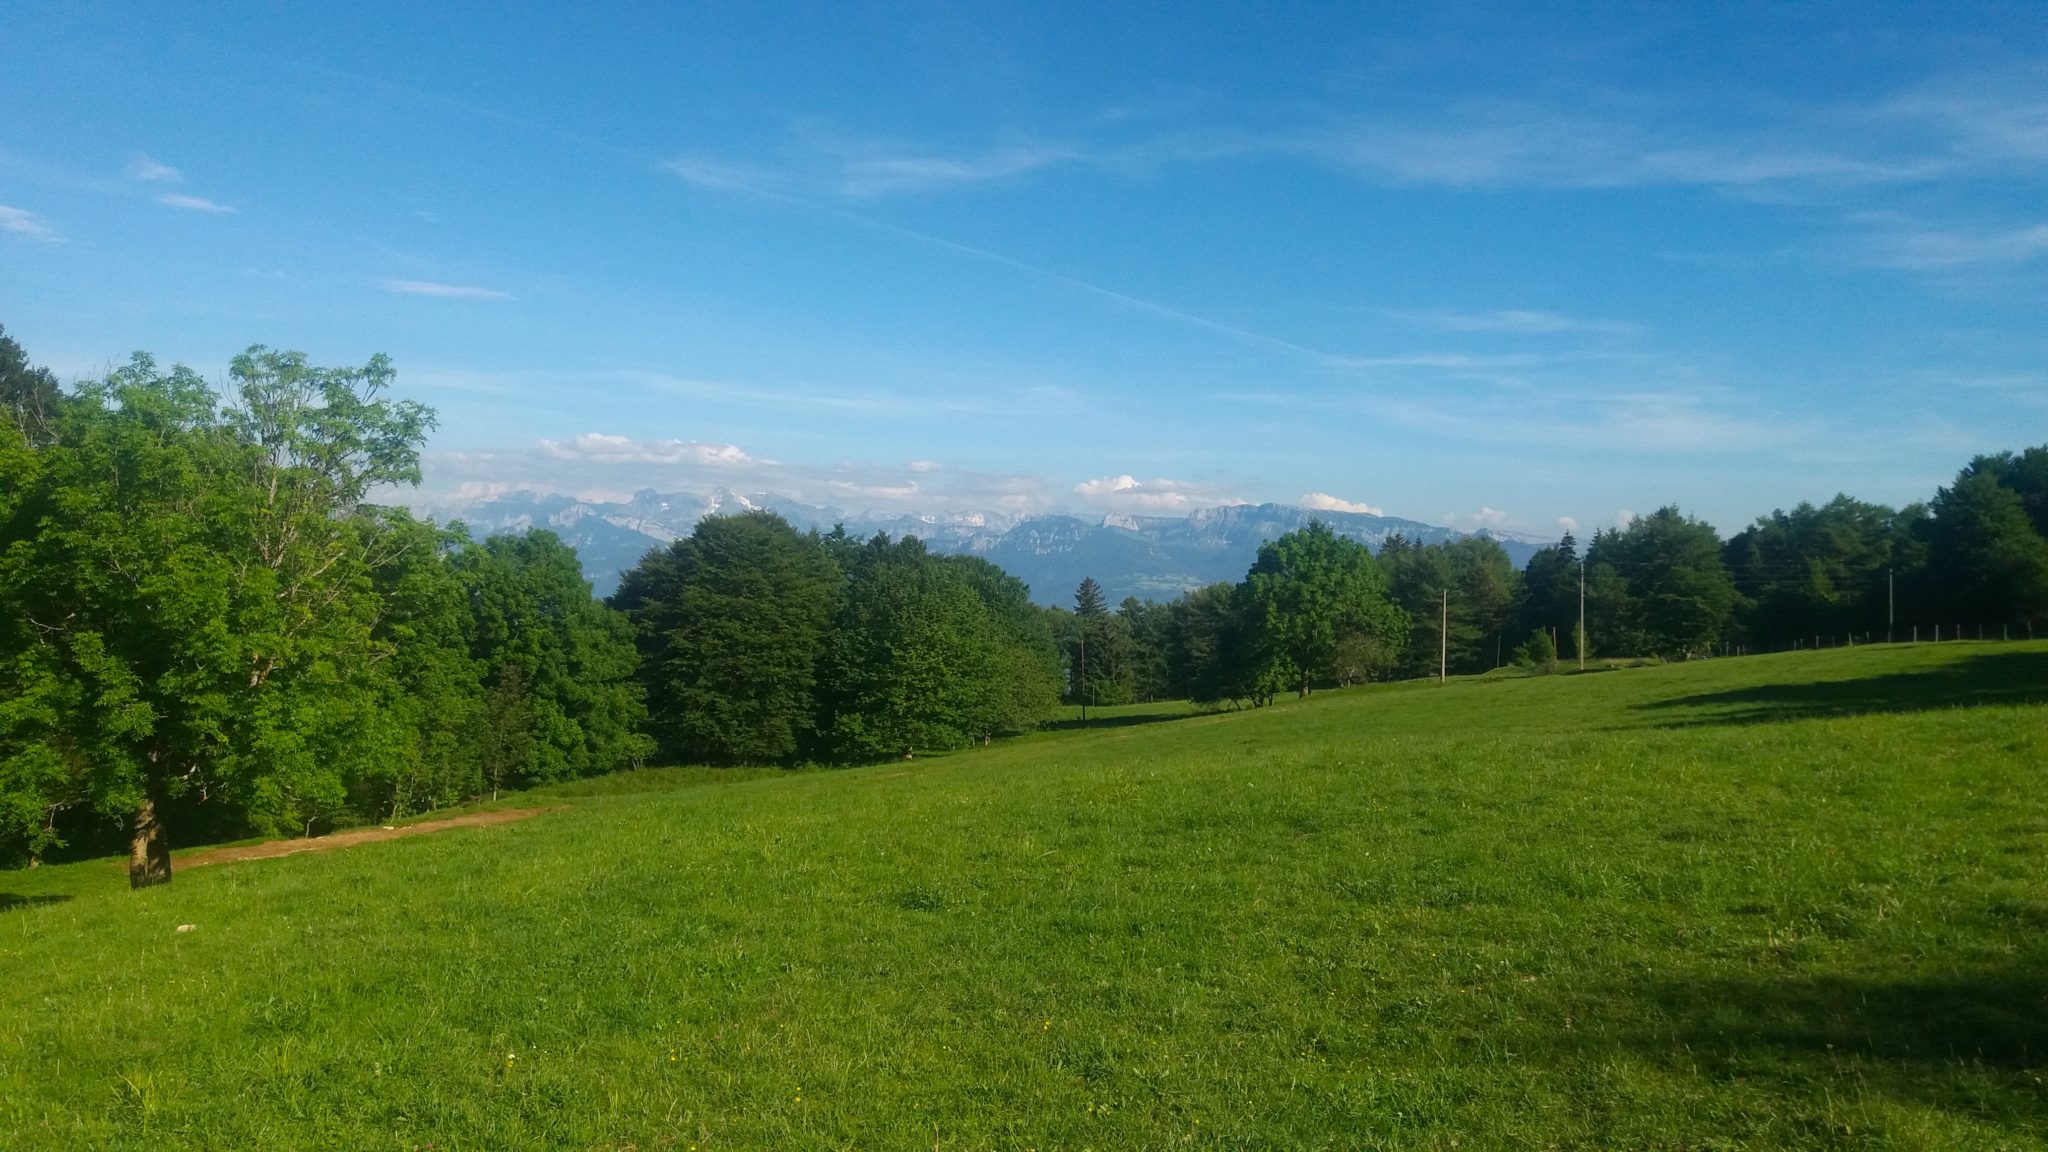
(351, 837)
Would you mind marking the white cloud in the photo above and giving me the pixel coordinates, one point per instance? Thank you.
(141, 167)
(1324, 502)
(444, 291)
(923, 466)
(1624, 517)
(1127, 491)
(1567, 524)
(603, 448)
(1472, 521)
(194, 204)
(907, 491)
(474, 490)
(23, 222)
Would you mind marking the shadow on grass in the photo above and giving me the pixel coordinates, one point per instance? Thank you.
(1992, 678)
(11, 900)
(1972, 1042)
(1075, 724)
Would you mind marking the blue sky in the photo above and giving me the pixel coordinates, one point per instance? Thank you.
(1503, 266)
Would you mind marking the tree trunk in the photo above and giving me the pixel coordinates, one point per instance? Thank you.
(149, 852)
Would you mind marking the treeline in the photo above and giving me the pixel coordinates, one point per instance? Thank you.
(1972, 561)
(204, 625)
(762, 645)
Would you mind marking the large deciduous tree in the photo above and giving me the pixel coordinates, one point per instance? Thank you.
(1307, 593)
(193, 611)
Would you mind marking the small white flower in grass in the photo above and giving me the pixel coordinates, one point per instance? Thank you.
(187, 927)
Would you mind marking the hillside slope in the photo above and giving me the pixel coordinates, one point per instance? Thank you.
(1786, 901)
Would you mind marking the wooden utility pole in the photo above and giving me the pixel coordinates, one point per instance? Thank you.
(1580, 644)
(1890, 606)
(1081, 689)
(1443, 641)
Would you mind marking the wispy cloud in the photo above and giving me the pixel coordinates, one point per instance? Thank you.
(444, 291)
(606, 448)
(706, 172)
(194, 204)
(1895, 242)
(908, 490)
(23, 222)
(1473, 521)
(1324, 502)
(142, 167)
(1510, 321)
(881, 175)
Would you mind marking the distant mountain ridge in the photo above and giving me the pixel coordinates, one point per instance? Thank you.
(1150, 557)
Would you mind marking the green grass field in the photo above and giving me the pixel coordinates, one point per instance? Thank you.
(1783, 901)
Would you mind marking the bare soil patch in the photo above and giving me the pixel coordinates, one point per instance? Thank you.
(352, 837)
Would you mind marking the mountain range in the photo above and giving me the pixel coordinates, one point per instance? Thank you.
(1149, 557)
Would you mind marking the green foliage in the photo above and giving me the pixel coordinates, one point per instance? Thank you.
(1538, 652)
(1658, 587)
(1196, 627)
(1988, 560)
(432, 693)
(731, 623)
(917, 661)
(1816, 571)
(1548, 599)
(29, 396)
(570, 658)
(199, 616)
(1099, 651)
(1307, 594)
(1027, 658)
(1147, 624)
(192, 603)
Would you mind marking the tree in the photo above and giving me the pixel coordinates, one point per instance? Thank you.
(1146, 623)
(1484, 585)
(1307, 592)
(1988, 560)
(1814, 571)
(1539, 652)
(1548, 597)
(1195, 628)
(189, 591)
(915, 659)
(431, 688)
(1659, 587)
(730, 622)
(29, 396)
(575, 663)
(2026, 474)
(1027, 685)
(1098, 651)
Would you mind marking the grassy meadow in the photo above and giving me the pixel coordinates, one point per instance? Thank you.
(1780, 901)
